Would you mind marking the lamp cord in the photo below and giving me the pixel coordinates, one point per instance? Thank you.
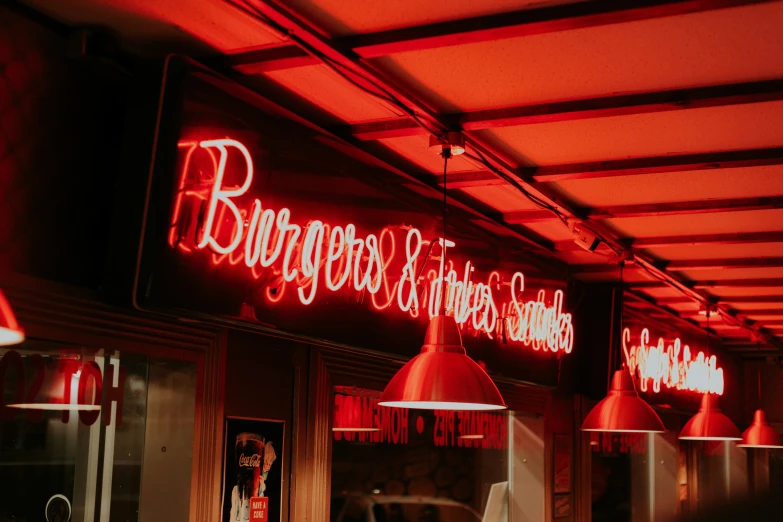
(446, 153)
(618, 348)
(758, 378)
(709, 351)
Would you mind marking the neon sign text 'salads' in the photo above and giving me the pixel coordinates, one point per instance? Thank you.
(315, 257)
(672, 365)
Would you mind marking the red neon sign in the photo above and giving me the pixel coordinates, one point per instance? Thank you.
(320, 257)
(671, 365)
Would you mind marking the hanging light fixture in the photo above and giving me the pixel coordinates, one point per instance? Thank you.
(623, 411)
(442, 376)
(710, 423)
(10, 332)
(760, 435)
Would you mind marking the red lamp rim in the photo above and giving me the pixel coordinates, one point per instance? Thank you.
(11, 336)
(443, 405)
(599, 430)
(10, 333)
(696, 437)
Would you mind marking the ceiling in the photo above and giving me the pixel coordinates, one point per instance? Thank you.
(658, 125)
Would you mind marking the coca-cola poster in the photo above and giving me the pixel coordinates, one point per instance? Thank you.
(253, 470)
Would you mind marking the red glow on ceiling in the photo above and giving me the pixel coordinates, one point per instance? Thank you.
(320, 257)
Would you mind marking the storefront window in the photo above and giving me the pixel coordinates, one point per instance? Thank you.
(611, 474)
(85, 433)
(775, 470)
(396, 465)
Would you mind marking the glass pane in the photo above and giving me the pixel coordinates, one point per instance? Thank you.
(619, 476)
(74, 428)
(394, 464)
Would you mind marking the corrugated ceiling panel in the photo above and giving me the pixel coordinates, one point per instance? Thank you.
(711, 223)
(325, 88)
(501, 198)
(684, 252)
(751, 290)
(416, 149)
(724, 46)
(676, 186)
(731, 273)
(748, 307)
(553, 229)
(343, 17)
(713, 129)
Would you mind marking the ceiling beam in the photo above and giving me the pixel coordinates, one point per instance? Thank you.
(479, 178)
(513, 24)
(602, 268)
(709, 264)
(689, 264)
(760, 313)
(523, 217)
(705, 239)
(661, 311)
(270, 59)
(686, 207)
(600, 107)
(702, 239)
(705, 206)
(281, 18)
(524, 22)
(776, 282)
(643, 285)
(658, 164)
(761, 299)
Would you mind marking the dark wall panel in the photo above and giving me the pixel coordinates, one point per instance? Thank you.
(61, 123)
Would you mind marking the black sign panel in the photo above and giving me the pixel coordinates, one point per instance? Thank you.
(254, 215)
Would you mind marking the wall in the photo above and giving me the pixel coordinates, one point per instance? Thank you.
(61, 125)
(261, 373)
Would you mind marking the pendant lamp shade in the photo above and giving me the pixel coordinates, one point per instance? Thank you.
(442, 376)
(623, 411)
(710, 423)
(760, 434)
(10, 333)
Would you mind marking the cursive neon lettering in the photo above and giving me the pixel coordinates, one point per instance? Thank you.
(235, 226)
(222, 195)
(660, 364)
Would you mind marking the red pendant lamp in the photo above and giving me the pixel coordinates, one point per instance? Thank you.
(623, 411)
(10, 332)
(710, 423)
(442, 376)
(760, 435)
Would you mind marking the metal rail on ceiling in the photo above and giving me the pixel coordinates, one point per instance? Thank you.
(348, 63)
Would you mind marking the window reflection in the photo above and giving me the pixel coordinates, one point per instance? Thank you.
(74, 423)
(400, 465)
